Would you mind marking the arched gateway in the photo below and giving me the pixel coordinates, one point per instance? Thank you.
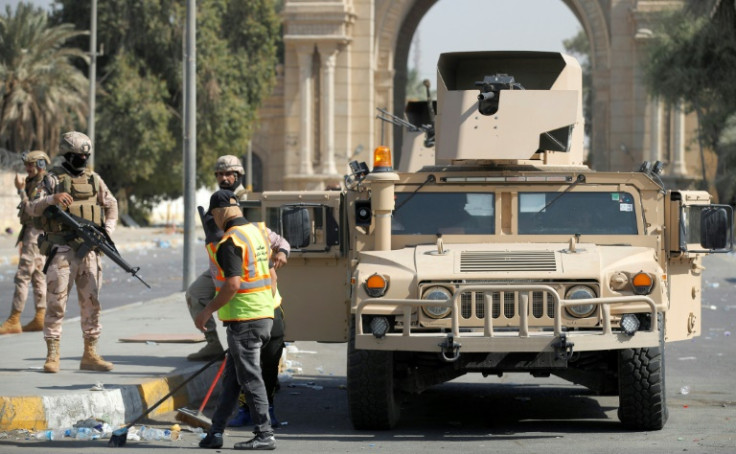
(345, 58)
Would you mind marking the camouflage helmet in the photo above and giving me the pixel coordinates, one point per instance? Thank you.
(37, 157)
(75, 142)
(229, 162)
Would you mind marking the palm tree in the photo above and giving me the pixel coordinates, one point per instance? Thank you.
(41, 91)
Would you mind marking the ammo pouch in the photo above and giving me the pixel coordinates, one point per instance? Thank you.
(89, 211)
(44, 245)
(64, 238)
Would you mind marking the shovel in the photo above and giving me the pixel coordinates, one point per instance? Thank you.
(120, 436)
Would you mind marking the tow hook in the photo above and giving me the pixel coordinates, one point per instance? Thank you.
(450, 349)
(563, 348)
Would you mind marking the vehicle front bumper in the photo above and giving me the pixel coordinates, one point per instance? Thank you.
(521, 339)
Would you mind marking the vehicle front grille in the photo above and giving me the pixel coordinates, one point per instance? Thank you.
(483, 261)
(504, 306)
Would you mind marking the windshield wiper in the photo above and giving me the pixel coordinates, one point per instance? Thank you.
(580, 179)
(430, 179)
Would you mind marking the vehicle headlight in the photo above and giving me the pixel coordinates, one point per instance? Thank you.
(580, 292)
(376, 285)
(436, 293)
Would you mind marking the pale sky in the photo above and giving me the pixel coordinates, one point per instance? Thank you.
(462, 25)
(467, 25)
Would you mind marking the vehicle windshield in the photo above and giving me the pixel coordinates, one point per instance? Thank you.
(429, 213)
(586, 213)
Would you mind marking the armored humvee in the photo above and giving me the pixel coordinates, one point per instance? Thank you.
(494, 249)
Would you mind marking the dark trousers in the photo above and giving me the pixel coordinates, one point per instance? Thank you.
(271, 354)
(243, 371)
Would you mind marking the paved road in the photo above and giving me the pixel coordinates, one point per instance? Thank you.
(515, 413)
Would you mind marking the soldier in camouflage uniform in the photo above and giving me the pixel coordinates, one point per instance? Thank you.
(82, 193)
(30, 264)
(228, 171)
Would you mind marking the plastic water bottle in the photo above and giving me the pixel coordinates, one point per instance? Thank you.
(50, 434)
(84, 433)
(151, 433)
(45, 435)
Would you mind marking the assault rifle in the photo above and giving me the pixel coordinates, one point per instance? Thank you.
(93, 237)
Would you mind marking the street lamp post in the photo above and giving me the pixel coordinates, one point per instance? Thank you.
(190, 142)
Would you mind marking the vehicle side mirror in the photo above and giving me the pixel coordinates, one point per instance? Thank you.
(715, 227)
(296, 226)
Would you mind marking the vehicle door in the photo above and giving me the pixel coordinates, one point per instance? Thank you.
(314, 283)
(694, 228)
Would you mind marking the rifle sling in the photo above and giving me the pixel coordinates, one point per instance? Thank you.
(49, 259)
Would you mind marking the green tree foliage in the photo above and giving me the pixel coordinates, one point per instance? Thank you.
(140, 149)
(41, 91)
(415, 89)
(692, 59)
(140, 99)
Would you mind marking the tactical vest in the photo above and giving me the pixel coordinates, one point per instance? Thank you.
(253, 299)
(84, 189)
(31, 191)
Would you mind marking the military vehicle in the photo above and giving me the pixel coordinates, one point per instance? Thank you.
(495, 249)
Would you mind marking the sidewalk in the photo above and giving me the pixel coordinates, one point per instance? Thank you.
(144, 371)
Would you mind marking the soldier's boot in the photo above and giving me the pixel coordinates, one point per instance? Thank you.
(37, 323)
(91, 360)
(12, 324)
(52, 357)
(211, 350)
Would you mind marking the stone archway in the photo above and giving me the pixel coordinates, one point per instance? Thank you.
(345, 58)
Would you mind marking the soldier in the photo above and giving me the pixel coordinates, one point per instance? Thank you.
(228, 171)
(30, 264)
(82, 193)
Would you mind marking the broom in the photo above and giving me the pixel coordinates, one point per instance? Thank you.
(197, 418)
(120, 436)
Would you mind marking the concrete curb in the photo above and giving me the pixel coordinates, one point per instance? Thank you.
(117, 407)
(144, 373)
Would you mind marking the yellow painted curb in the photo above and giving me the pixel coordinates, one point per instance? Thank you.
(153, 391)
(22, 413)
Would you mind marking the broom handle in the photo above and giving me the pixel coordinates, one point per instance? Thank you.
(181, 385)
(212, 386)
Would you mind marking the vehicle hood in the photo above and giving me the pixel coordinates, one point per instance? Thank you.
(525, 261)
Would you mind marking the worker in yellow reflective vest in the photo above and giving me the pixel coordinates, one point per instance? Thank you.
(244, 302)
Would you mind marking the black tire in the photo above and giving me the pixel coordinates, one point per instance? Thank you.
(641, 378)
(371, 394)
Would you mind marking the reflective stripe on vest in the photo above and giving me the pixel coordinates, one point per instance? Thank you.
(215, 271)
(253, 299)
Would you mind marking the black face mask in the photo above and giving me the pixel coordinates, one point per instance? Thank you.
(77, 161)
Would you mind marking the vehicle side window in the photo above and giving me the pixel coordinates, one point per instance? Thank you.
(586, 213)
